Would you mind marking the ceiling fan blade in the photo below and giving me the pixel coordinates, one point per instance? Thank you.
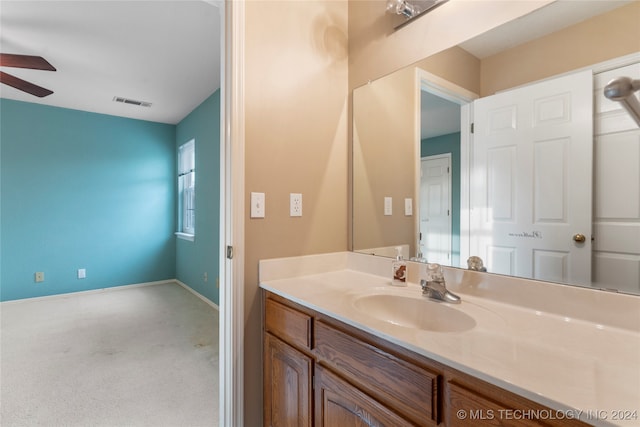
(25, 61)
(24, 85)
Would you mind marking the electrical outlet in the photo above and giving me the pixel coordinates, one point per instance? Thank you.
(82, 273)
(257, 205)
(388, 206)
(295, 204)
(39, 276)
(206, 276)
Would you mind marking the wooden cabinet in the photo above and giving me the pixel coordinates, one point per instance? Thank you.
(340, 404)
(288, 371)
(402, 385)
(321, 372)
(287, 385)
(470, 402)
(469, 409)
(289, 324)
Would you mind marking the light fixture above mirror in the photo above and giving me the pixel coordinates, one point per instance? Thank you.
(412, 9)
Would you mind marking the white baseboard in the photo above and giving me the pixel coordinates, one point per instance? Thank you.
(92, 291)
(113, 289)
(199, 295)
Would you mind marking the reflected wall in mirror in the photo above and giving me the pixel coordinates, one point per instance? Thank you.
(412, 143)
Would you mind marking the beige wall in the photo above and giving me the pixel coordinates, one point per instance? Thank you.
(385, 141)
(455, 65)
(607, 36)
(375, 49)
(298, 78)
(295, 141)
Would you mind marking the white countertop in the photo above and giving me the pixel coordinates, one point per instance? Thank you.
(588, 370)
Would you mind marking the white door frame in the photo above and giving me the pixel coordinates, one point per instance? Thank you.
(231, 366)
(445, 89)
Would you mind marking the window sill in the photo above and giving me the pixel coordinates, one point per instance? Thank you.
(185, 236)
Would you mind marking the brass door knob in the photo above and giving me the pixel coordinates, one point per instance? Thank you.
(580, 238)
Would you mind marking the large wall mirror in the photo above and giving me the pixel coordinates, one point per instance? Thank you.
(504, 147)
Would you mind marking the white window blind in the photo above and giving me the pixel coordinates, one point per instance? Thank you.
(187, 185)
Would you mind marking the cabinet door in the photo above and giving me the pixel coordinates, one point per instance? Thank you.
(469, 409)
(489, 406)
(338, 403)
(287, 385)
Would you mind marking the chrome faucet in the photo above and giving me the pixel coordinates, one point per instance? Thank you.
(434, 286)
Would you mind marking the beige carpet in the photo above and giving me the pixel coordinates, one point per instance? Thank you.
(140, 356)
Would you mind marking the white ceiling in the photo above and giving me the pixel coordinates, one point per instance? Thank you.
(163, 52)
(543, 21)
(438, 116)
(168, 52)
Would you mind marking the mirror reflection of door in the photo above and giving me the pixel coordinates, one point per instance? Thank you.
(435, 208)
(616, 196)
(612, 258)
(532, 178)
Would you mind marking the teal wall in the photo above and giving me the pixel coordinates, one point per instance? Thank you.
(442, 145)
(194, 259)
(84, 190)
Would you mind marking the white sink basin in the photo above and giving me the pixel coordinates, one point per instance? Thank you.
(416, 313)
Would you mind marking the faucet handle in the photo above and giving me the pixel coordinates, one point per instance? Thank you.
(434, 286)
(475, 263)
(434, 273)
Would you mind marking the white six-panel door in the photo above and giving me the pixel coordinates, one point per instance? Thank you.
(616, 256)
(435, 208)
(531, 180)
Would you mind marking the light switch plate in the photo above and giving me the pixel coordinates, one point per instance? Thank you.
(82, 273)
(388, 206)
(257, 205)
(408, 207)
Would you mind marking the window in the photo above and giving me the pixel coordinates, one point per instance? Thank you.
(187, 187)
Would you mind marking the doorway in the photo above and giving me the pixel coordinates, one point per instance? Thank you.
(444, 118)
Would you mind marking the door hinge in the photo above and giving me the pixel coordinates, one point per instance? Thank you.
(229, 252)
(447, 169)
(472, 127)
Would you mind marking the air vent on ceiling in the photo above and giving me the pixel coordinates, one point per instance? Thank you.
(131, 101)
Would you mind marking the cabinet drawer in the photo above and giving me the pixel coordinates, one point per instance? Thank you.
(402, 386)
(288, 324)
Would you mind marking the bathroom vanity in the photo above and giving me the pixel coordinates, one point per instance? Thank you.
(343, 347)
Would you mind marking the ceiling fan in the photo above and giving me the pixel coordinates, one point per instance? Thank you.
(24, 61)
